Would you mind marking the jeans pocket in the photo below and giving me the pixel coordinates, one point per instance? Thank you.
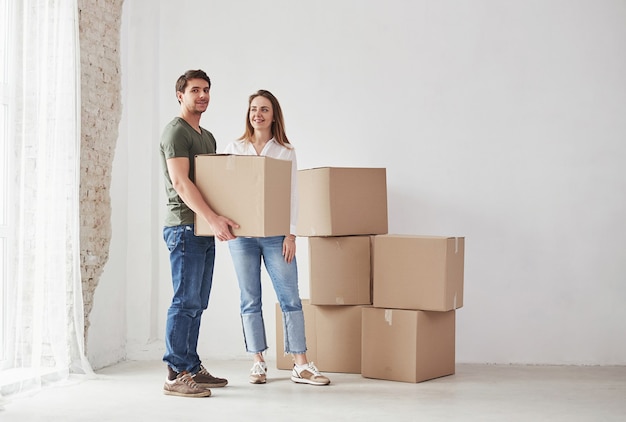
(172, 236)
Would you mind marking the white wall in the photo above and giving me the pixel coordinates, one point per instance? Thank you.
(499, 121)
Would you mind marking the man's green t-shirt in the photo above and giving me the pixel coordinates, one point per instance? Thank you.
(179, 139)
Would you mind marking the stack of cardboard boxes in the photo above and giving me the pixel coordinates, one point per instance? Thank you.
(409, 333)
(339, 208)
(380, 305)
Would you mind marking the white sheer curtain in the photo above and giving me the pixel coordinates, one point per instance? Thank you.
(45, 307)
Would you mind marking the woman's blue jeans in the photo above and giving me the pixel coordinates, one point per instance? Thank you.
(246, 253)
(192, 259)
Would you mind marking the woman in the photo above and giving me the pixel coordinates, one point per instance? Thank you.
(265, 135)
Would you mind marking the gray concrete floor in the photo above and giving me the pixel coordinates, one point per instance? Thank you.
(132, 391)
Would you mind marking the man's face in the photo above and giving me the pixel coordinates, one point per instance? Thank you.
(196, 97)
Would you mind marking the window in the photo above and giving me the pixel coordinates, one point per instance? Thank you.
(4, 164)
(41, 314)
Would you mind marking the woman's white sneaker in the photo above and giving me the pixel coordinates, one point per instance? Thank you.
(258, 373)
(308, 374)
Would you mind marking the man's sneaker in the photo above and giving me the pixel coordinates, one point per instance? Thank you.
(308, 375)
(204, 379)
(184, 386)
(258, 373)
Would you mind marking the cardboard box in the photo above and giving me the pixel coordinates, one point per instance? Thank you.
(333, 337)
(253, 191)
(340, 270)
(407, 345)
(418, 272)
(337, 201)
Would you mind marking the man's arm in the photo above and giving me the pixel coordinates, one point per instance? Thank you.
(178, 169)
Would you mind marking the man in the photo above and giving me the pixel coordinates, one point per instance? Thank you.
(191, 257)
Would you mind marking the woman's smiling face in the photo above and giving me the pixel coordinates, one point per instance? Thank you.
(261, 114)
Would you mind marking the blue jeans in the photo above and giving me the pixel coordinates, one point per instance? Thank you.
(192, 259)
(247, 253)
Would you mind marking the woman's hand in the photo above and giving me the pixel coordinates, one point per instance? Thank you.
(289, 248)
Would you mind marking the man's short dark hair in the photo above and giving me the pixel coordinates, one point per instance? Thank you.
(181, 83)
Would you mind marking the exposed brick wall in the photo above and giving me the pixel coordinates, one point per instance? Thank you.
(99, 24)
